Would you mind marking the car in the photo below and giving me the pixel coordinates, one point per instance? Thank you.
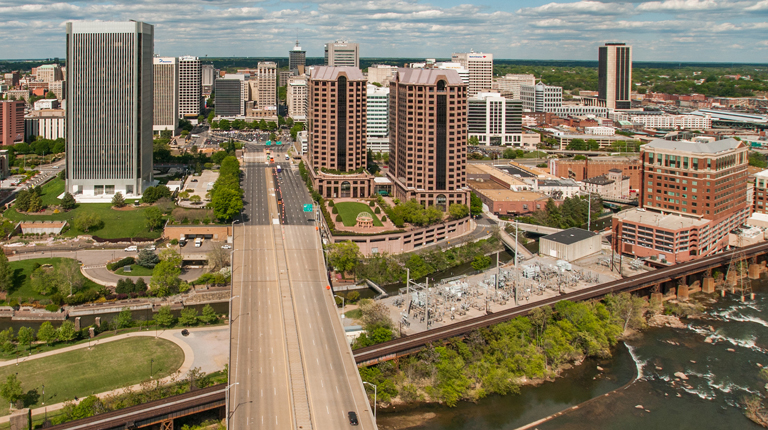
(194, 180)
(226, 246)
(133, 248)
(151, 247)
(352, 418)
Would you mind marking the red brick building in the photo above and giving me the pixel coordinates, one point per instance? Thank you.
(580, 170)
(11, 122)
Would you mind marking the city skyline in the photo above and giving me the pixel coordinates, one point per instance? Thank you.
(661, 30)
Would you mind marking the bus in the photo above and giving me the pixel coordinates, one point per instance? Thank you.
(279, 169)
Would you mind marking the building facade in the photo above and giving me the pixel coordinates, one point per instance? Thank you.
(229, 97)
(49, 73)
(342, 54)
(297, 98)
(760, 193)
(109, 131)
(540, 97)
(495, 120)
(580, 170)
(428, 135)
(207, 77)
(381, 74)
(166, 94)
(297, 60)
(266, 79)
(50, 124)
(509, 84)
(662, 120)
(377, 113)
(480, 68)
(613, 185)
(58, 88)
(11, 122)
(190, 87)
(614, 75)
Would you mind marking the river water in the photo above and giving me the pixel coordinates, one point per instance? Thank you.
(720, 354)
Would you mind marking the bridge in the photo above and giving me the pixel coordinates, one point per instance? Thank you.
(410, 344)
(509, 241)
(531, 228)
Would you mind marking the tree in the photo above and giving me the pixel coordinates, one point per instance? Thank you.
(592, 145)
(69, 272)
(344, 256)
(226, 203)
(45, 281)
(147, 258)
(577, 145)
(153, 218)
(140, 286)
(374, 314)
(87, 221)
(6, 273)
(26, 336)
(473, 141)
(35, 203)
(218, 258)
(46, 333)
(22, 201)
(627, 308)
(11, 389)
(458, 210)
(188, 317)
(481, 262)
(164, 317)
(118, 201)
(124, 318)
(475, 204)
(50, 95)
(66, 332)
(209, 315)
(124, 286)
(165, 277)
(68, 202)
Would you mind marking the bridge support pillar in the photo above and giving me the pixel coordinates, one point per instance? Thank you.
(731, 279)
(708, 285)
(166, 425)
(21, 419)
(657, 297)
(682, 292)
(97, 321)
(77, 324)
(754, 271)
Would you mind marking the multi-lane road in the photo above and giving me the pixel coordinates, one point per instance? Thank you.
(289, 360)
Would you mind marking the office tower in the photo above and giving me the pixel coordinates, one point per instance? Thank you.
(190, 87)
(381, 74)
(296, 95)
(49, 73)
(296, 58)
(229, 96)
(480, 68)
(11, 122)
(207, 76)
(284, 75)
(614, 75)
(428, 136)
(495, 120)
(166, 89)
(342, 54)
(540, 97)
(509, 84)
(377, 119)
(337, 132)
(692, 195)
(109, 108)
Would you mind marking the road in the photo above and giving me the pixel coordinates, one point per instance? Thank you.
(289, 356)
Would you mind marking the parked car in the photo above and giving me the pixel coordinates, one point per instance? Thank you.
(227, 246)
(132, 248)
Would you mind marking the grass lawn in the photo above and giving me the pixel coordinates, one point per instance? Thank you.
(22, 285)
(349, 211)
(136, 270)
(102, 368)
(51, 191)
(354, 314)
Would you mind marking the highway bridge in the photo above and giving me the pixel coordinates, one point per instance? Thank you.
(409, 344)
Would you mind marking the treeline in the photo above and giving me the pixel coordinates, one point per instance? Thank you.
(572, 213)
(494, 360)
(227, 195)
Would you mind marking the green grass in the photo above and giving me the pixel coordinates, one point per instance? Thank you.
(136, 270)
(102, 368)
(349, 211)
(22, 285)
(353, 314)
(51, 191)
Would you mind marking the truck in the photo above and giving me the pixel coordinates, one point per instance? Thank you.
(279, 169)
(198, 242)
(182, 240)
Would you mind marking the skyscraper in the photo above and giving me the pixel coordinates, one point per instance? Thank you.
(377, 119)
(296, 58)
(480, 68)
(49, 73)
(229, 95)
(266, 76)
(296, 95)
(109, 108)
(11, 122)
(540, 97)
(207, 76)
(166, 94)
(342, 54)
(495, 120)
(428, 136)
(614, 75)
(190, 87)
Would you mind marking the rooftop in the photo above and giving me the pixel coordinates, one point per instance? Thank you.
(329, 73)
(503, 195)
(484, 169)
(428, 76)
(570, 236)
(558, 183)
(658, 219)
(694, 147)
(599, 180)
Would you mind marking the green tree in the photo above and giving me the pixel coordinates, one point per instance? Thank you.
(22, 201)
(50, 95)
(118, 200)
(481, 262)
(124, 318)
(6, 273)
(188, 317)
(577, 145)
(11, 389)
(147, 258)
(164, 317)
(45, 281)
(344, 256)
(68, 202)
(88, 221)
(153, 217)
(209, 315)
(592, 145)
(458, 210)
(46, 333)
(211, 116)
(35, 203)
(475, 204)
(473, 141)
(226, 203)
(26, 336)
(165, 277)
(66, 331)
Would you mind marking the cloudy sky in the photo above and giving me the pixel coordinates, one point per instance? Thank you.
(669, 30)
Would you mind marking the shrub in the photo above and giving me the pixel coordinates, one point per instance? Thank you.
(384, 218)
(377, 211)
(335, 210)
(330, 203)
(53, 307)
(121, 263)
(174, 242)
(338, 218)
(371, 203)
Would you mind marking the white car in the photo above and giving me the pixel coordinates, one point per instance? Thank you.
(151, 247)
(226, 246)
(132, 249)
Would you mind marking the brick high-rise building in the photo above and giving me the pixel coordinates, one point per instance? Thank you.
(342, 54)
(49, 73)
(692, 195)
(337, 132)
(11, 122)
(428, 136)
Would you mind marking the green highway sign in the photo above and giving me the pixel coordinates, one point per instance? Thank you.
(308, 208)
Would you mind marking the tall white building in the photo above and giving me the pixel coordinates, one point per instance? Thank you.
(509, 84)
(166, 94)
(480, 68)
(207, 76)
(49, 73)
(495, 120)
(461, 70)
(190, 87)
(377, 118)
(296, 95)
(109, 108)
(540, 97)
(266, 76)
(342, 54)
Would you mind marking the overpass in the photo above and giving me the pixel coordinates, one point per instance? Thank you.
(410, 344)
(509, 241)
(531, 228)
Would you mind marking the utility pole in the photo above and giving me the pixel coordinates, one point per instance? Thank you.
(517, 269)
(589, 211)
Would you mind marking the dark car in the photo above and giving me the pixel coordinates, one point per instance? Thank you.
(352, 418)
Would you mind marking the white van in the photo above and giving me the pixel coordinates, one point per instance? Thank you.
(132, 248)
(198, 242)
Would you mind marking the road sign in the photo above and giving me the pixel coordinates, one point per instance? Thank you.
(308, 208)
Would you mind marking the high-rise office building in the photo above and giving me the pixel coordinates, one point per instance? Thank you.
(540, 97)
(166, 94)
(296, 95)
(49, 73)
(207, 76)
(109, 108)
(342, 54)
(337, 132)
(266, 76)
(428, 137)
(297, 59)
(231, 95)
(11, 122)
(190, 87)
(283, 77)
(509, 84)
(480, 68)
(614, 75)
(495, 120)
(377, 118)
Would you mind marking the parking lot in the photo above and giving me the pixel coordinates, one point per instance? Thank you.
(200, 185)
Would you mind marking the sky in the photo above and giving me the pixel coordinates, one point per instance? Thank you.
(668, 30)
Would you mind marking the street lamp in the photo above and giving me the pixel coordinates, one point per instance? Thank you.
(374, 398)
(151, 372)
(226, 391)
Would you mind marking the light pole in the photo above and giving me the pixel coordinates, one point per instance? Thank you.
(374, 398)
(226, 391)
(151, 372)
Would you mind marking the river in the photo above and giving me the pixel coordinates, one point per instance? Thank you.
(720, 354)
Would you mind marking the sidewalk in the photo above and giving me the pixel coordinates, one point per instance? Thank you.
(189, 358)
